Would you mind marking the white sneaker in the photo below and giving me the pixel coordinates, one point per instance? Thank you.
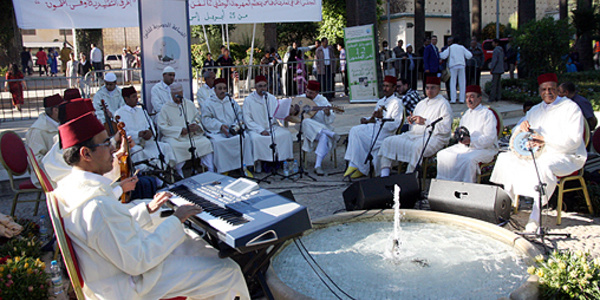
(532, 226)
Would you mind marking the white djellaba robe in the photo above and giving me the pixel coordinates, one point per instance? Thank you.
(561, 125)
(311, 127)
(204, 94)
(217, 112)
(171, 121)
(257, 121)
(407, 147)
(361, 137)
(461, 162)
(114, 101)
(40, 137)
(160, 94)
(124, 253)
(136, 120)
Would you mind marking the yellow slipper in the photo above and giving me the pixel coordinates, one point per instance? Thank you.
(357, 174)
(349, 171)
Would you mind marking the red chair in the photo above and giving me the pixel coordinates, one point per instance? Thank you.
(485, 169)
(14, 160)
(39, 172)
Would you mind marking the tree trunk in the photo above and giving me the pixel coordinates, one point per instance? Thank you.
(419, 24)
(270, 35)
(526, 12)
(584, 42)
(11, 41)
(476, 19)
(460, 21)
(563, 9)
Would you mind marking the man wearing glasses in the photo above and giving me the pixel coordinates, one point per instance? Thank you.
(111, 94)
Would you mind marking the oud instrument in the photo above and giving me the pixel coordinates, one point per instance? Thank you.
(109, 124)
(309, 107)
(125, 162)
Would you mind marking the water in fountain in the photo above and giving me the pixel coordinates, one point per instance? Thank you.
(396, 239)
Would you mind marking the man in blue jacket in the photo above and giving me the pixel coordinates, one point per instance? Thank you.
(431, 58)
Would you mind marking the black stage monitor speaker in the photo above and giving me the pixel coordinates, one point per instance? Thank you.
(379, 192)
(485, 202)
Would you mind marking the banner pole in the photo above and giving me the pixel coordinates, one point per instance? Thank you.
(251, 61)
(206, 38)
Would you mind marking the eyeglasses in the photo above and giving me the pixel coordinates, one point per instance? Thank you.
(261, 85)
(108, 143)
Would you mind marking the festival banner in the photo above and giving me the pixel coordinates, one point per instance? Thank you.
(361, 63)
(80, 14)
(165, 39)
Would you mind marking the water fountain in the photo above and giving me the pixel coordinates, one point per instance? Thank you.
(430, 255)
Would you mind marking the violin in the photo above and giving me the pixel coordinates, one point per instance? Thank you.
(109, 124)
(125, 162)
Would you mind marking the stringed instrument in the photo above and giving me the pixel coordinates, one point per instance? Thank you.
(125, 162)
(109, 124)
(310, 108)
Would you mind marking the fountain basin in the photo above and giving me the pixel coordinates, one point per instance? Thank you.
(291, 278)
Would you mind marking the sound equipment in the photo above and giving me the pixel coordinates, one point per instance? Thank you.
(379, 192)
(485, 202)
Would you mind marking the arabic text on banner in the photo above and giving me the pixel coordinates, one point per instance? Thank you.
(361, 63)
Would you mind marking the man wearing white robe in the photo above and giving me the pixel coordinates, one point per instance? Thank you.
(407, 147)
(206, 91)
(257, 121)
(558, 125)
(318, 131)
(43, 132)
(461, 161)
(361, 137)
(111, 94)
(123, 252)
(139, 126)
(218, 117)
(172, 124)
(160, 94)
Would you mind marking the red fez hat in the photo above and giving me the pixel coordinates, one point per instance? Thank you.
(73, 109)
(128, 91)
(221, 80)
(432, 80)
(79, 130)
(53, 100)
(473, 89)
(314, 86)
(390, 79)
(71, 94)
(260, 78)
(547, 77)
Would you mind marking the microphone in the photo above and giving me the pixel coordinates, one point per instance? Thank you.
(435, 122)
(178, 96)
(383, 120)
(141, 104)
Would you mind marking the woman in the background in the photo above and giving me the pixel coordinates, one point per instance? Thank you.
(42, 61)
(72, 68)
(15, 86)
(53, 61)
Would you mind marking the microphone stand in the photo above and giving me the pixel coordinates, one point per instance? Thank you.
(301, 171)
(370, 155)
(192, 148)
(541, 232)
(164, 167)
(273, 146)
(241, 134)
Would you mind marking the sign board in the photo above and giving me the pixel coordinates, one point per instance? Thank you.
(165, 39)
(361, 63)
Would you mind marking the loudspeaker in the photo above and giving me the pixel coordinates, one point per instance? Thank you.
(485, 202)
(379, 192)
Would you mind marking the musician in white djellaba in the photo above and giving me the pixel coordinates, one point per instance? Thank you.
(171, 122)
(361, 137)
(160, 94)
(111, 94)
(206, 91)
(255, 109)
(220, 116)
(477, 144)
(408, 146)
(318, 131)
(139, 126)
(123, 251)
(558, 127)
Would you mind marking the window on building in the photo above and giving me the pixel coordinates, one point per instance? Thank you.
(65, 31)
(28, 31)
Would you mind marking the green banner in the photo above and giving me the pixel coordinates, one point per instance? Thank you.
(361, 63)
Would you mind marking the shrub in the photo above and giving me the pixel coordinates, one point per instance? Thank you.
(568, 275)
(22, 246)
(23, 278)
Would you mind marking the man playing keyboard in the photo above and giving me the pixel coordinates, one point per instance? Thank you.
(120, 256)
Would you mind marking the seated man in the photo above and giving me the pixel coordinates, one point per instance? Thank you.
(259, 108)
(460, 162)
(122, 251)
(361, 137)
(318, 132)
(220, 116)
(139, 126)
(160, 94)
(408, 146)
(171, 122)
(568, 90)
(43, 132)
(558, 125)
(111, 94)
(206, 91)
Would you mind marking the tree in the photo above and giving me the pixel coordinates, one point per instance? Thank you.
(419, 24)
(489, 31)
(585, 20)
(460, 21)
(10, 36)
(287, 33)
(526, 12)
(270, 35)
(563, 9)
(334, 20)
(86, 37)
(476, 17)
